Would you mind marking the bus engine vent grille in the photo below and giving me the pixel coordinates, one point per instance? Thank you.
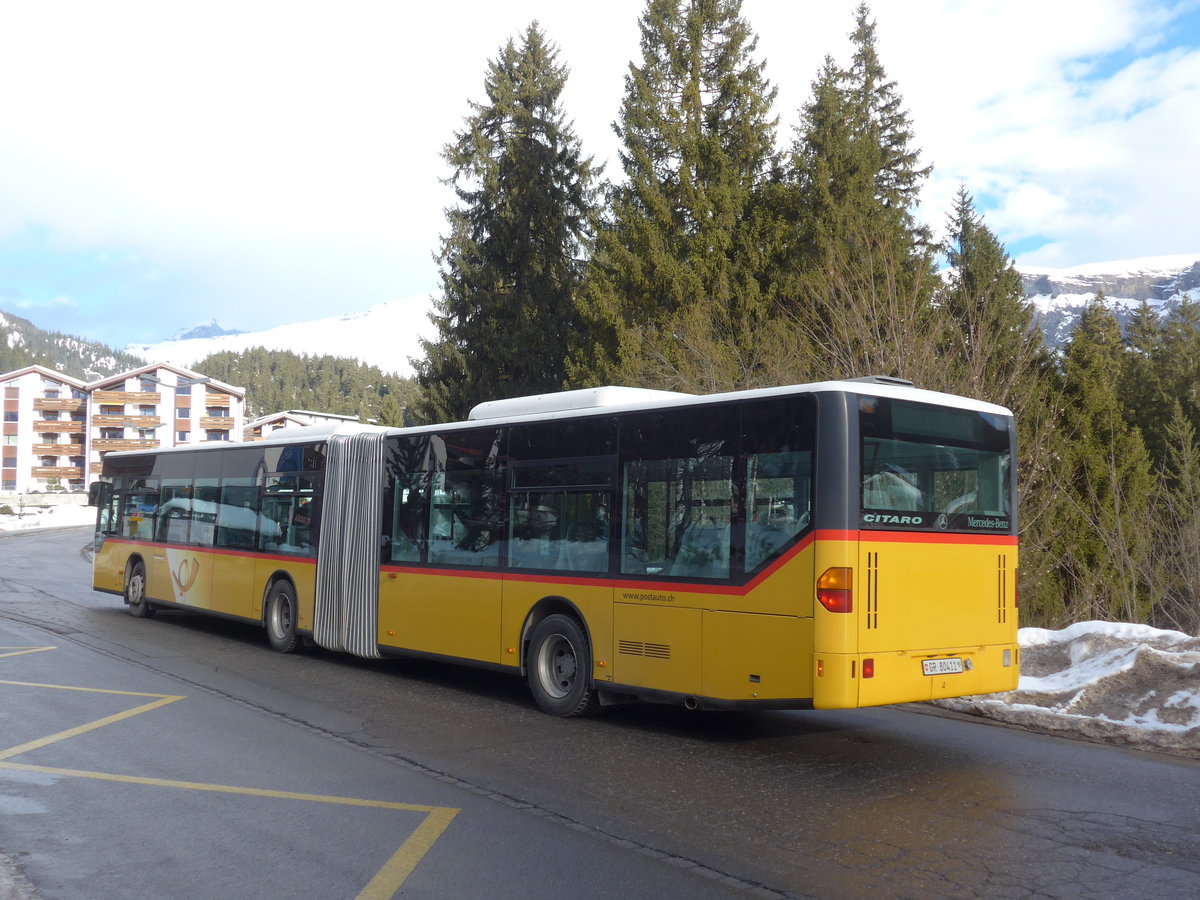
(641, 648)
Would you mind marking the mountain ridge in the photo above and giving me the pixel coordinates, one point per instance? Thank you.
(1059, 296)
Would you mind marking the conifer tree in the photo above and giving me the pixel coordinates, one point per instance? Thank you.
(994, 351)
(992, 336)
(511, 263)
(856, 274)
(681, 263)
(1175, 569)
(1105, 545)
(1140, 388)
(1177, 370)
(853, 165)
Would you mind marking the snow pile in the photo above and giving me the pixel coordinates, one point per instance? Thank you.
(1118, 683)
(65, 516)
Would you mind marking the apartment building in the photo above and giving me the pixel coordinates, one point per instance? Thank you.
(44, 432)
(263, 426)
(57, 428)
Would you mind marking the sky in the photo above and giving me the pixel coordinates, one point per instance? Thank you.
(163, 164)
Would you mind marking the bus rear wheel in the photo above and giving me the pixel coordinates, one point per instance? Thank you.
(135, 592)
(281, 618)
(560, 668)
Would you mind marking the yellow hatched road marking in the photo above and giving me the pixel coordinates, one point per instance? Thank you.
(387, 881)
(21, 651)
(161, 700)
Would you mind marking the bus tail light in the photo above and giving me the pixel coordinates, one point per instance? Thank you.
(835, 589)
(868, 668)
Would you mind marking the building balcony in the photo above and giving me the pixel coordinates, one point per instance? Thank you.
(216, 423)
(67, 404)
(125, 397)
(110, 421)
(219, 400)
(58, 449)
(68, 427)
(56, 472)
(107, 444)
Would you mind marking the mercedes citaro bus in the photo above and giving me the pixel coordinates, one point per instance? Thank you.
(830, 545)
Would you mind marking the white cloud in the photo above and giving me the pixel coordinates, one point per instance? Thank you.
(279, 161)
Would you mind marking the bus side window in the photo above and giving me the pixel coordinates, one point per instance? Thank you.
(777, 501)
(677, 517)
(237, 514)
(407, 534)
(466, 512)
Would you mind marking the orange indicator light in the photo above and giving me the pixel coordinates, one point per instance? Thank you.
(835, 589)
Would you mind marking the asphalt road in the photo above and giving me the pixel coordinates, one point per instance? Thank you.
(641, 801)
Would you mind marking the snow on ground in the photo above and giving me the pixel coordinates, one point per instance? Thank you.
(64, 516)
(1106, 681)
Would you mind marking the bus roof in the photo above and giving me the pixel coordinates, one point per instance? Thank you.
(568, 404)
(598, 401)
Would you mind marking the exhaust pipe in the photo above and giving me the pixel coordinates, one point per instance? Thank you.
(691, 703)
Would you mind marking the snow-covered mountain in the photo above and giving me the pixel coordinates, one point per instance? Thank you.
(385, 336)
(1059, 296)
(388, 335)
(203, 330)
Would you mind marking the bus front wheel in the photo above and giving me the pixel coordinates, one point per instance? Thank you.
(560, 668)
(281, 618)
(135, 592)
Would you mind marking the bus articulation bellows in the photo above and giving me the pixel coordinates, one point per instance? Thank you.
(831, 545)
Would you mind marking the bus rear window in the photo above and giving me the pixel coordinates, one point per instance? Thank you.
(934, 468)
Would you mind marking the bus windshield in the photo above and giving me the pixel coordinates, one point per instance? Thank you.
(932, 467)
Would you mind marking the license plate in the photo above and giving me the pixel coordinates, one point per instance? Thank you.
(951, 666)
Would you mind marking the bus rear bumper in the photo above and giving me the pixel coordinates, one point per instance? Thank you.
(874, 679)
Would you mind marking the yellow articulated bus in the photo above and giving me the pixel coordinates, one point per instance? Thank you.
(832, 545)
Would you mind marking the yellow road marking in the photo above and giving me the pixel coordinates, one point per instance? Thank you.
(20, 651)
(162, 700)
(218, 788)
(385, 884)
(396, 870)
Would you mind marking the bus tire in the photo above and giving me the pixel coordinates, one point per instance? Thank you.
(135, 592)
(281, 616)
(560, 668)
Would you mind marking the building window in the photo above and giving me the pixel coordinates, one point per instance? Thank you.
(78, 394)
(112, 434)
(148, 386)
(50, 415)
(10, 416)
(216, 435)
(181, 437)
(49, 462)
(10, 463)
(183, 412)
(145, 410)
(78, 417)
(51, 394)
(109, 409)
(217, 412)
(10, 440)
